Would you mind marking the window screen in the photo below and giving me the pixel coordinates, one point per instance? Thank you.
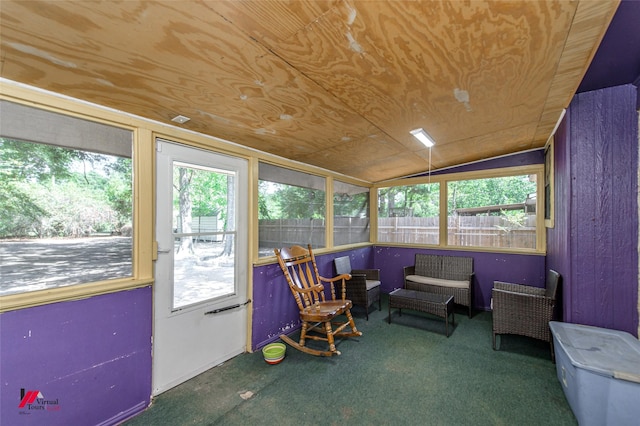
(66, 200)
(291, 209)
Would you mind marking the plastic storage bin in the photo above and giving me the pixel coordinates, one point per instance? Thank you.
(599, 370)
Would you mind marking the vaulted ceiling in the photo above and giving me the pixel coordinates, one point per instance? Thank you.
(333, 83)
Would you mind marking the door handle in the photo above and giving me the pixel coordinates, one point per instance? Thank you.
(227, 308)
(157, 250)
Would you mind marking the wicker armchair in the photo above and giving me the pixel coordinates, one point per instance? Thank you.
(525, 310)
(363, 289)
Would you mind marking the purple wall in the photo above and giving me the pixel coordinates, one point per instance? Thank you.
(515, 160)
(617, 60)
(595, 240)
(91, 359)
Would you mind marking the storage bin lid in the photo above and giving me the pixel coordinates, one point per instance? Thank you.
(606, 352)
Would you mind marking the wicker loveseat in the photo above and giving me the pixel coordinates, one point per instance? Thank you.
(442, 275)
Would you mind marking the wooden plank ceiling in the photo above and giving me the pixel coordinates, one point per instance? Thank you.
(334, 83)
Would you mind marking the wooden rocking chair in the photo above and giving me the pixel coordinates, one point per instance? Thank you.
(316, 313)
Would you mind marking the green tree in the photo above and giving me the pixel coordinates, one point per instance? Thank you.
(230, 223)
(182, 201)
(33, 161)
(204, 193)
(489, 192)
(209, 193)
(39, 183)
(279, 201)
(420, 200)
(267, 206)
(355, 205)
(19, 215)
(301, 203)
(119, 189)
(212, 193)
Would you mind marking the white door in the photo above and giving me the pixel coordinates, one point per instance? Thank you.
(200, 292)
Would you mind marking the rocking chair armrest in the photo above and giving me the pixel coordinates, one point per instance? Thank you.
(336, 278)
(342, 291)
(341, 277)
(317, 288)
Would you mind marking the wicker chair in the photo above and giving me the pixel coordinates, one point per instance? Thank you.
(525, 310)
(317, 311)
(363, 289)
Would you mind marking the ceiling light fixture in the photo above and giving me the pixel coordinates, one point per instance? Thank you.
(423, 137)
(180, 119)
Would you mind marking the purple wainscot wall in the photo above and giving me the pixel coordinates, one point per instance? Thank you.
(87, 361)
(488, 267)
(595, 240)
(275, 312)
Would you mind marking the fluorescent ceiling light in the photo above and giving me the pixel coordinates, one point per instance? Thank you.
(423, 137)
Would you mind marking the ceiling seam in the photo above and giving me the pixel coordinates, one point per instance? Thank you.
(306, 76)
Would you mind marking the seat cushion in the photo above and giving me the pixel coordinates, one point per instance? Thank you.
(372, 284)
(438, 281)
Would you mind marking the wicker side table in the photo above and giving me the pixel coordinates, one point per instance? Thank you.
(437, 304)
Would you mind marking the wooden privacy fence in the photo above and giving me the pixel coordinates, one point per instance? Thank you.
(470, 231)
(350, 230)
(276, 233)
(409, 230)
(203, 225)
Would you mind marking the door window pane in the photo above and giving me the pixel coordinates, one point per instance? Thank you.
(204, 234)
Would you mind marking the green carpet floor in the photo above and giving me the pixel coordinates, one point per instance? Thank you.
(404, 373)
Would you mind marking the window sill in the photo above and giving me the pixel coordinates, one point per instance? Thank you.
(62, 294)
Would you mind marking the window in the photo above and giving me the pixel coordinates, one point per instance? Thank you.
(409, 214)
(495, 212)
(204, 233)
(350, 213)
(291, 209)
(548, 184)
(490, 209)
(66, 200)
